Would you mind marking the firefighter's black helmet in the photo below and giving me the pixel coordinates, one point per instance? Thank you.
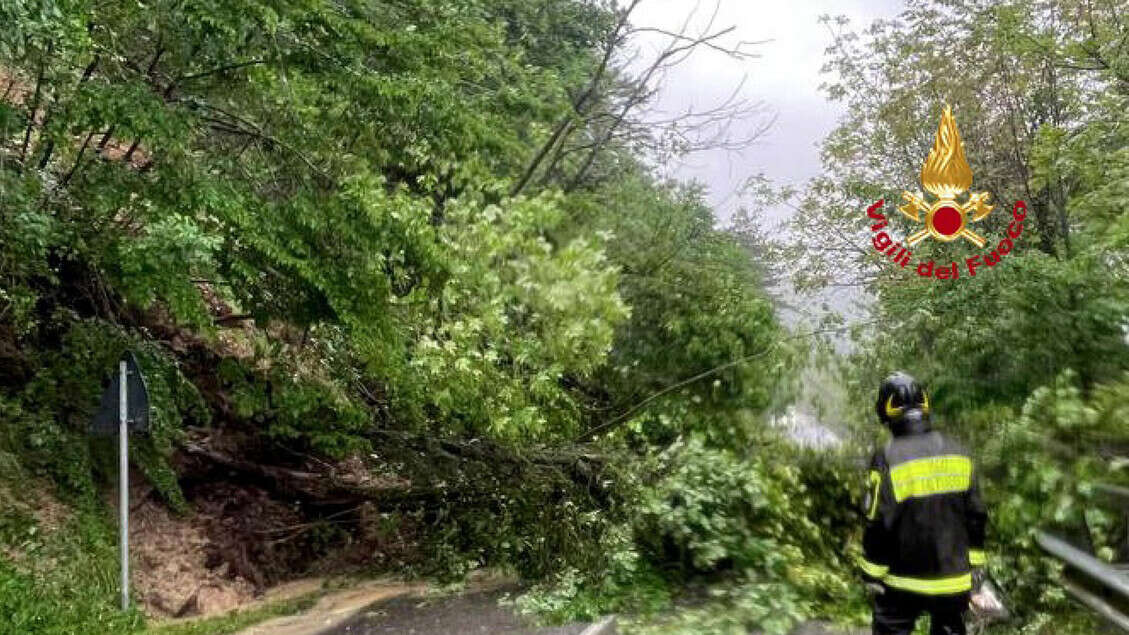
(898, 395)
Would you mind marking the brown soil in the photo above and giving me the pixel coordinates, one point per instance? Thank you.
(18, 90)
(233, 544)
(50, 515)
(170, 559)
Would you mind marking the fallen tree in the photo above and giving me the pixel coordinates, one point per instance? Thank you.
(443, 471)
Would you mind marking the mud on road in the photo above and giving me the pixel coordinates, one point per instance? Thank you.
(474, 613)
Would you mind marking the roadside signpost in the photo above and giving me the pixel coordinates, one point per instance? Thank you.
(124, 407)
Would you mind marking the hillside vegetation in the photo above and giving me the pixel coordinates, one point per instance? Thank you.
(411, 297)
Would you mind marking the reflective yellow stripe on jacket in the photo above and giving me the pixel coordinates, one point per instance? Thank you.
(977, 558)
(925, 586)
(875, 493)
(872, 569)
(931, 475)
(935, 586)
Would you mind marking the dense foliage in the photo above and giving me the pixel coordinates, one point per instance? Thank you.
(432, 223)
(762, 537)
(421, 239)
(1024, 359)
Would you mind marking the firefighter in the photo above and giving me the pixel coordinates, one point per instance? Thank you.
(923, 548)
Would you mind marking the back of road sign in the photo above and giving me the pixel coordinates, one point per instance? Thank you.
(106, 419)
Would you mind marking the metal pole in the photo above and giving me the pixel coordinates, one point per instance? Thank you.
(1084, 562)
(1104, 608)
(123, 477)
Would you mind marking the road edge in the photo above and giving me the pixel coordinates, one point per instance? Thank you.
(605, 626)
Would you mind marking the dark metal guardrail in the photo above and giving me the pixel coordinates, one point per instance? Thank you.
(1108, 576)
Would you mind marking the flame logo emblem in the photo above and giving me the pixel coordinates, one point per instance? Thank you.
(947, 175)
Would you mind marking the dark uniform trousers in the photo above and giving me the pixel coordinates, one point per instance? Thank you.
(896, 612)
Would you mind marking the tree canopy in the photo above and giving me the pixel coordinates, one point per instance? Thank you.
(407, 269)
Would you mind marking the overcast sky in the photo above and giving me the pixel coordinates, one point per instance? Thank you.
(786, 78)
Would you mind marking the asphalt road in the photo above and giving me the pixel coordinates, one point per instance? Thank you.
(476, 613)
(470, 614)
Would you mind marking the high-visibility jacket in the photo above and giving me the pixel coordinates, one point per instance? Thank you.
(925, 518)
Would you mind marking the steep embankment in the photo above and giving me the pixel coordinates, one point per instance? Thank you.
(408, 296)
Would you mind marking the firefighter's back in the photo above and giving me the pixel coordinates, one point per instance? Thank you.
(930, 475)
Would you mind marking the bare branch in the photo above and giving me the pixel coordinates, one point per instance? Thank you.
(35, 104)
(245, 126)
(578, 106)
(624, 119)
(737, 51)
(77, 162)
(221, 69)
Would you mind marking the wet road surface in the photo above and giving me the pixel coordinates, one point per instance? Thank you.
(464, 614)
